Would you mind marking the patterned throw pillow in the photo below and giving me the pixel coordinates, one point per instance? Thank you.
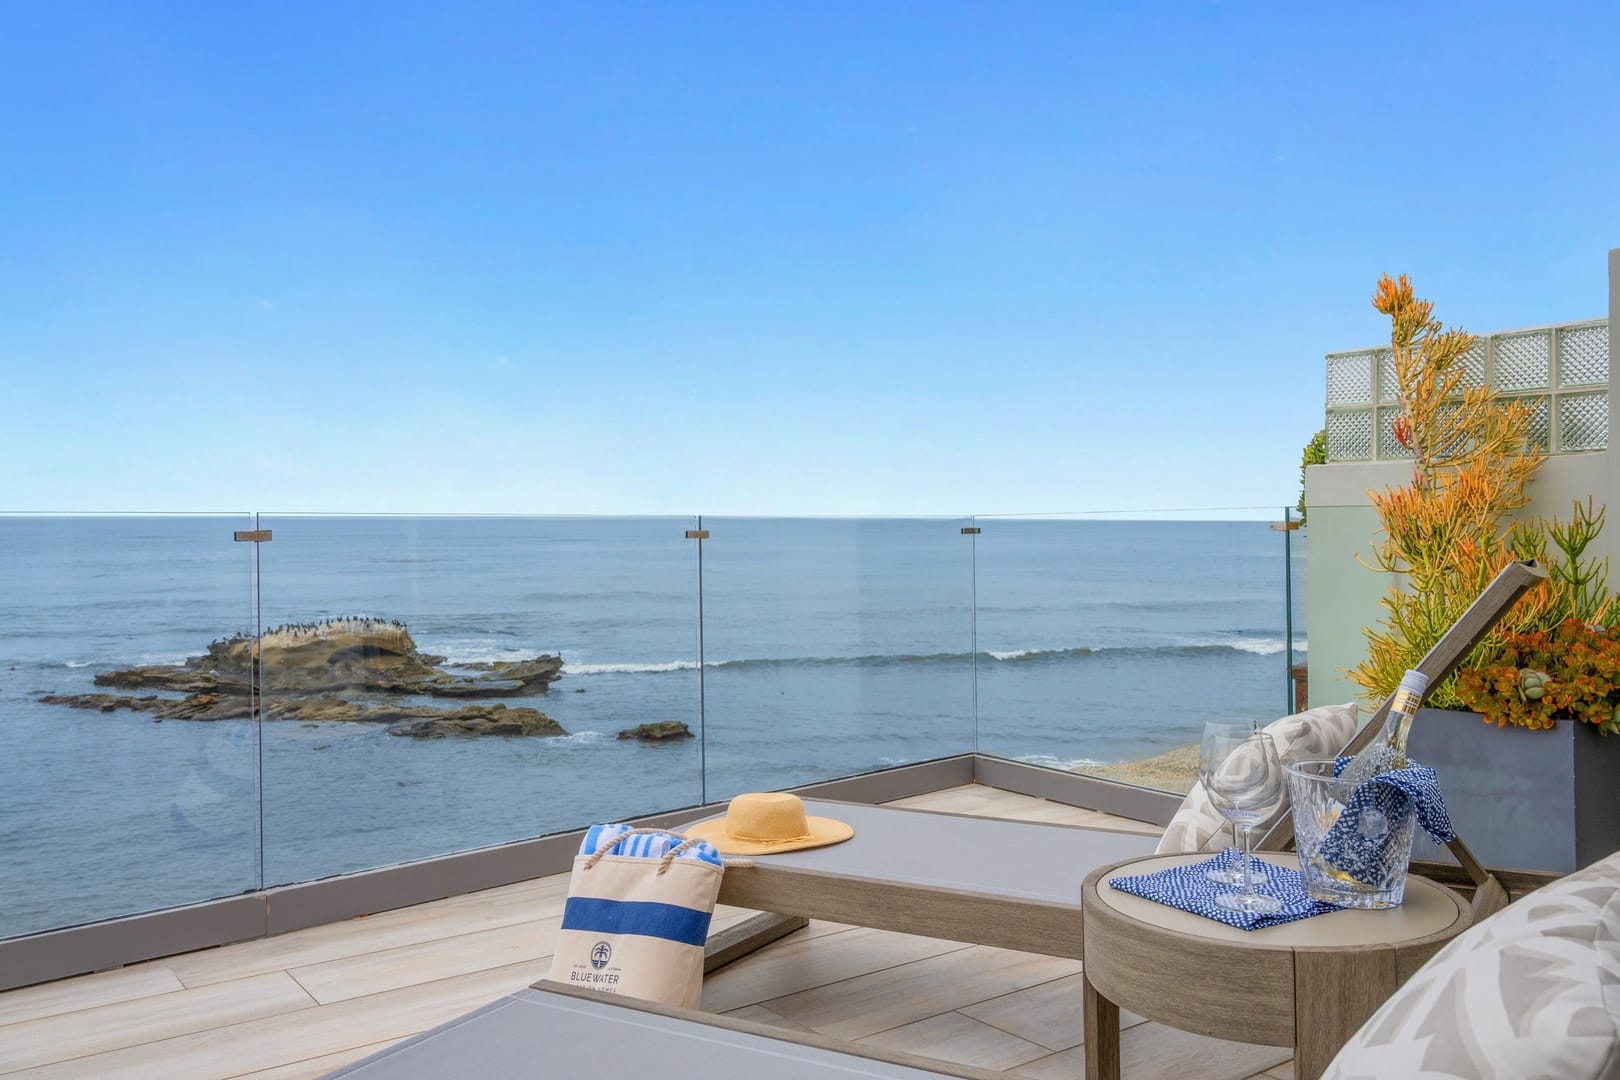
(1532, 991)
(1317, 733)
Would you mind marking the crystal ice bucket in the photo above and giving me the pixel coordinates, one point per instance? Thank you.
(1380, 882)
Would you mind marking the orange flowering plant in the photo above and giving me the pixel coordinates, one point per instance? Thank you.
(1449, 531)
(1572, 672)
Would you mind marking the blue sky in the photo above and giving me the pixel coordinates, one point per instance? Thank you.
(757, 258)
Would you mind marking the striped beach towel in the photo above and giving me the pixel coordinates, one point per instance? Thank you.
(644, 844)
(637, 915)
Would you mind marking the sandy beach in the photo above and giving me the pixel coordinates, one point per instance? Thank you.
(1175, 771)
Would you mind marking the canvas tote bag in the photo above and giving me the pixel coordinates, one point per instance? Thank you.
(637, 915)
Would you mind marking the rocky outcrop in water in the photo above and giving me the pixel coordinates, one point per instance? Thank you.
(662, 731)
(336, 670)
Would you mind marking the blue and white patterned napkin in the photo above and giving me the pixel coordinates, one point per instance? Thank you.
(1186, 888)
(644, 845)
(1358, 843)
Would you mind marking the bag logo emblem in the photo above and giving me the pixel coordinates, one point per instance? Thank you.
(601, 954)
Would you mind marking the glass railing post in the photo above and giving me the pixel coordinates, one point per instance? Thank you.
(973, 530)
(1288, 608)
(256, 699)
(698, 536)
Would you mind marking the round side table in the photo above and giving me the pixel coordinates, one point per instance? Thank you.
(1307, 984)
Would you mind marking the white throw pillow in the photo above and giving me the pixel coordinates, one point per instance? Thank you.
(1316, 733)
(1532, 991)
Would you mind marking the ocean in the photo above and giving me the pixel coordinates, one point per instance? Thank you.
(800, 650)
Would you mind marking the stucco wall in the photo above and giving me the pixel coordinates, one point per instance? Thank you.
(1341, 594)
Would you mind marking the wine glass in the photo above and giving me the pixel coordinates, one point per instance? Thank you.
(1231, 874)
(1244, 777)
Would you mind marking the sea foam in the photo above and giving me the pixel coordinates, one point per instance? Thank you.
(457, 652)
(572, 668)
(1066, 764)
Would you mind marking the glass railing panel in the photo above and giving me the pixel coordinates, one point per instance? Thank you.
(834, 647)
(408, 688)
(113, 802)
(1105, 645)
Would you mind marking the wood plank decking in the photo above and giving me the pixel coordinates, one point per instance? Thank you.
(299, 1005)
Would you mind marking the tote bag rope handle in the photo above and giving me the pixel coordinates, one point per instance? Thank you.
(669, 857)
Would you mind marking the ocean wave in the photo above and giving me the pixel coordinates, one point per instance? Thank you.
(1024, 656)
(1254, 646)
(465, 651)
(662, 667)
(1066, 764)
(144, 660)
(475, 652)
(1258, 646)
(1264, 646)
(579, 738)
(571, 668)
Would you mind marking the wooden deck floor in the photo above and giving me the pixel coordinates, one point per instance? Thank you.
(299, 1005)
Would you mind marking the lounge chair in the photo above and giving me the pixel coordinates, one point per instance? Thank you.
(580, 1033)
(1010, 884)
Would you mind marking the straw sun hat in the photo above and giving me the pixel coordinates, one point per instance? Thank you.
(760, 823)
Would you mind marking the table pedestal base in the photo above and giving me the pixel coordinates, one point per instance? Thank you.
(1348, 988)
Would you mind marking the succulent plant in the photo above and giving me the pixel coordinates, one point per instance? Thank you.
(1532, 683)
(1572, 672)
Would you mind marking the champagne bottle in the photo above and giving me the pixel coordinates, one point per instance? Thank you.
(1388, 751)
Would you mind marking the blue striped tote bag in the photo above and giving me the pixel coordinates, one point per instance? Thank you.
(638, 911)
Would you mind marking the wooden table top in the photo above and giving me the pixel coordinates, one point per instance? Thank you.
(1426, 910)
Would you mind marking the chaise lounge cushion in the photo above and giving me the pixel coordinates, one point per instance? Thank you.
(1316, 733)
(1532, 991)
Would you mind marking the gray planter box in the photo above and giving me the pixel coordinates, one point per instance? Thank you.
(1522, 799)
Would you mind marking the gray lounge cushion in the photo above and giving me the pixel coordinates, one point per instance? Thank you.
(1316, 733)
(1533, 991)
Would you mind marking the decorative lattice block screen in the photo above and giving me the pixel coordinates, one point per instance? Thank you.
(1583, 421)
(1350, 379)
(1562, 372)
(1474, 362)
(1388, 445)
(1350, 435)
(1523, 362)
(1583, 356)
(1540, 422)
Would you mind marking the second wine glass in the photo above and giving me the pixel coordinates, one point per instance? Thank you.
(1231, 874)
(1244, 777)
